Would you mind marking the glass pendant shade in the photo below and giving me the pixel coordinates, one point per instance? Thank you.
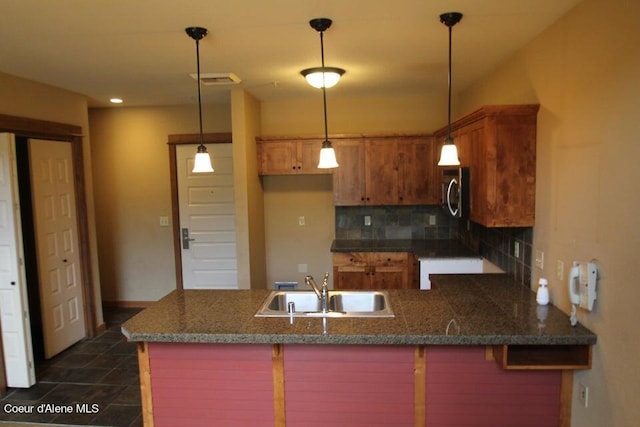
(316, 78)
(327, 157)
(202, 162)
(449, 155)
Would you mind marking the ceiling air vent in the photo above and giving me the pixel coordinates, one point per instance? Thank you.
(208, 79)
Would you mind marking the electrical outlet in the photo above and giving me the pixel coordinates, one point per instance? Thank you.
(539, 259)
(516, 249)
(164, 221)
(301, 220)
(432, 220)
(302, 268)
(560, 270)
(583, 395)
(367, 220)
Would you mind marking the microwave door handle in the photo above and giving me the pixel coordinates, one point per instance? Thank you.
(454, 213)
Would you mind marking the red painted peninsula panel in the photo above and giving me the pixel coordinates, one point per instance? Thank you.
(464, 389)
(349, 385)
(193, 384)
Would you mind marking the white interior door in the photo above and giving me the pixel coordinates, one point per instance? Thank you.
(52, 189)
(14, 309)
(207, 220)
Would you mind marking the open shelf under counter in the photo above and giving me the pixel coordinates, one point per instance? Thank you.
(543, 357)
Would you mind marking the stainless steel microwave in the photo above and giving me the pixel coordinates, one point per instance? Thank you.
(455, 191)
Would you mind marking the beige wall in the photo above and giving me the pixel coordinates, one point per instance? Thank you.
(24, 98)
(373, 114)
(286, 198)
(584, 71)
(132, 190)
(248, 191)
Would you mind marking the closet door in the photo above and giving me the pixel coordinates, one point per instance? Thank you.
(14, 310)
(53, 198)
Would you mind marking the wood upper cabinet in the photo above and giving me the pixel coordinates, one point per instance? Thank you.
(289, 156)
(372, 270)
(498, 144)
(382, 172)
(393, 170)
(349, 177)
(420, 184)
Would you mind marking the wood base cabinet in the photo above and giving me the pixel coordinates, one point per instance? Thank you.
(373, 270)
(498, 145)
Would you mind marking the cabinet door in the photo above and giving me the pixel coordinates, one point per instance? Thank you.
(308, 155)
(278, 157)
(476, 160)
(381, 171)
(350, 270)
(389, 270)
(353, 278)
(418, 172)
(349, 177)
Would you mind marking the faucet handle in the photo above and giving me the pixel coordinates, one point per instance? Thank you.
(325, 279)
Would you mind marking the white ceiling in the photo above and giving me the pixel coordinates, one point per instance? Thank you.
(138, 50)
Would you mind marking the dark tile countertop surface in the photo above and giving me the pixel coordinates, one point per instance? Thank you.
(460, 310)
(421, 248)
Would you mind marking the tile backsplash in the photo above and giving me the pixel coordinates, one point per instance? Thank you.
(431, 222)
(498, 245)
(394, 222)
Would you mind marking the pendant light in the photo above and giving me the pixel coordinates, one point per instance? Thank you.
(202, 162)
(449, 154)
(327, 153)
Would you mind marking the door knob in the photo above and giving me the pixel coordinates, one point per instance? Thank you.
(185, 238)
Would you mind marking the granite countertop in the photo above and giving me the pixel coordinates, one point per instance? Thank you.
(421, 248)
(460, 310)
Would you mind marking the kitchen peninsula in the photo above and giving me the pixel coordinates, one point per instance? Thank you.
(473, 347)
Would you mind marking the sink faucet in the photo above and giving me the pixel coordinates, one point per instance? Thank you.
(323, 294)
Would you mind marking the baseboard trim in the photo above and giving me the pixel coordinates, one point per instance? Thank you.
(127, 304)
(101, 328)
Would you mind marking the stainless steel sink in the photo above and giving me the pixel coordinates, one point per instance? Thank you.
(341, 304)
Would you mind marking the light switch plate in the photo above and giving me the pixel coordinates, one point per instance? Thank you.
(539, 259)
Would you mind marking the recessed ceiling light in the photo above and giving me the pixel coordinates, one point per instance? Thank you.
(116, 100)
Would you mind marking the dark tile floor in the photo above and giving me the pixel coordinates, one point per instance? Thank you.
(101, 372)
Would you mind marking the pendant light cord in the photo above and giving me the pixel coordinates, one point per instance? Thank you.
(449, 139)
(199, 96)
(324, 90)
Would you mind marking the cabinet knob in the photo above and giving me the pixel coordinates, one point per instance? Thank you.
(293, 167)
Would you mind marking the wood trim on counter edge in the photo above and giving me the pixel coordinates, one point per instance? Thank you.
(145, 384)
(420, 387)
